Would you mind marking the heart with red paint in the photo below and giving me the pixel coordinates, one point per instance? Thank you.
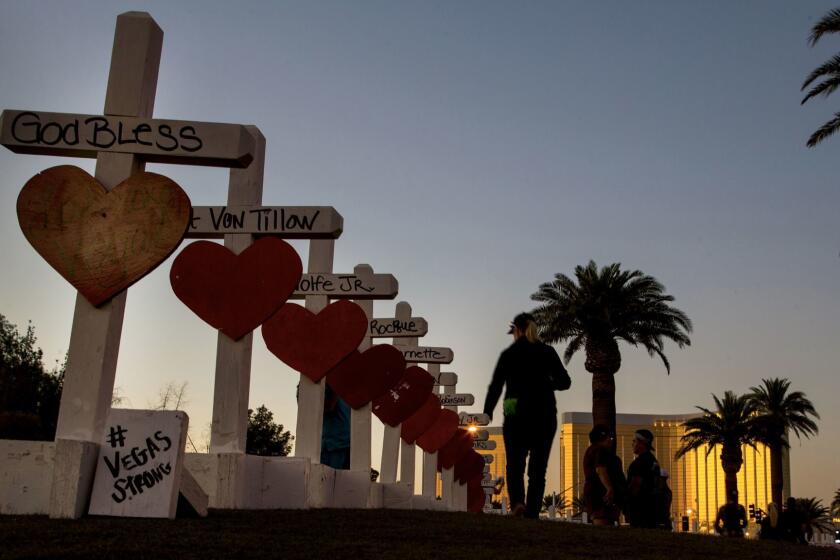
(363, 376)
(315, 343)
(236, 293)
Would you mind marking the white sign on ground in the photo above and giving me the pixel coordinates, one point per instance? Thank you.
(457, 399)
(485, 445)
(138, 473)
(473, 418)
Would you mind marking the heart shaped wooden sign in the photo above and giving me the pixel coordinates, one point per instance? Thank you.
(470, 466)
(414, 426)
(236, 293)
(405, 398)
(313, 344)
(475, 496)
(361, 377)
(440, 432)
(102, 242)
(455, 449)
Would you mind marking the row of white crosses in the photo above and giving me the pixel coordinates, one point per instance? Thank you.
(122, 141)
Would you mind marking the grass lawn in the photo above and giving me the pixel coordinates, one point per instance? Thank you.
(361, 534)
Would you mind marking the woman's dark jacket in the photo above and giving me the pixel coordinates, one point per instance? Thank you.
(531, 372)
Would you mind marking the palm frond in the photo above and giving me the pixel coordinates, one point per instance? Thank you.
(825, 88)
(830, 66)
(829, 23)
(824, 131)
(731, 424)
(610, 302)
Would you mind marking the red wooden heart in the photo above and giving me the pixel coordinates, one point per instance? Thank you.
(102, 242)
(404, 398)
(475, 496)
(414, 426)
(441, 431)
(361, 377)
(235, 293)
(455, 449)
(470, 466)
(313, 344)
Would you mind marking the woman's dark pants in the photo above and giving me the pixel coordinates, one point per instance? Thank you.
(531, 438)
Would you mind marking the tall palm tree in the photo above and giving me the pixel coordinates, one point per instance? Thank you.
(602, 308)
(731, 425)
(780, 411)
(814, 516)
(830, 70)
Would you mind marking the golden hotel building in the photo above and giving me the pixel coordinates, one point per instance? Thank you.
(696, 480)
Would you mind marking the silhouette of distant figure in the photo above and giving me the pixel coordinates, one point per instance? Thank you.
(790, 523)
(335, 433)
(604, 480)
(731, 518)
(648, 496)
(530, 371)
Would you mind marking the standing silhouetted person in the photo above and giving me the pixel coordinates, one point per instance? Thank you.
(648, 495)
(604, 482)
(530, 372)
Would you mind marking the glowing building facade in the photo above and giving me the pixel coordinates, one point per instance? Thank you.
(696, 480)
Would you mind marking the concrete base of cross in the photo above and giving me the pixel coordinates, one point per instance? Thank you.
(30, 483)
(56, 478)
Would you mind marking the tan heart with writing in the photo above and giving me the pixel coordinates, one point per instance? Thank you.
(102, 241)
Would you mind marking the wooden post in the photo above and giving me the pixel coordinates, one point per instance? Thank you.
(310, 414)
(233, 358)
(360, 419)
(430, 459)
(391, 436)
(447, 476)
(95, 335)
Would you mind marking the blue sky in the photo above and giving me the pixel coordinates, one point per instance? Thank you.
(475, 149)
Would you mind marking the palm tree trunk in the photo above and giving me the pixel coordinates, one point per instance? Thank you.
(731, 460)
(777, 478)
(603, 400)
(603, 361)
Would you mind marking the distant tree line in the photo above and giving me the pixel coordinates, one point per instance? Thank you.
(30, 396)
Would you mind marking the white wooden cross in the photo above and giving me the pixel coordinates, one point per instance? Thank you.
(122, 141)
(317, 287)
(433, 357)
(404, 330)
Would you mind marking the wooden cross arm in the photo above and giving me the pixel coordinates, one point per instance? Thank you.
(153, 140)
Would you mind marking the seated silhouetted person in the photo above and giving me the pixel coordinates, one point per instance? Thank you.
(731, 518)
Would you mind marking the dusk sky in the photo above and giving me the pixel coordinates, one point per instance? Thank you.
(475, 149)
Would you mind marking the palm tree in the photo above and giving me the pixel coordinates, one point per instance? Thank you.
(814, 516)
(830, 70)
(779, 412)
(835, 504)
(559, 502)
(602, 308)
(731, 425)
